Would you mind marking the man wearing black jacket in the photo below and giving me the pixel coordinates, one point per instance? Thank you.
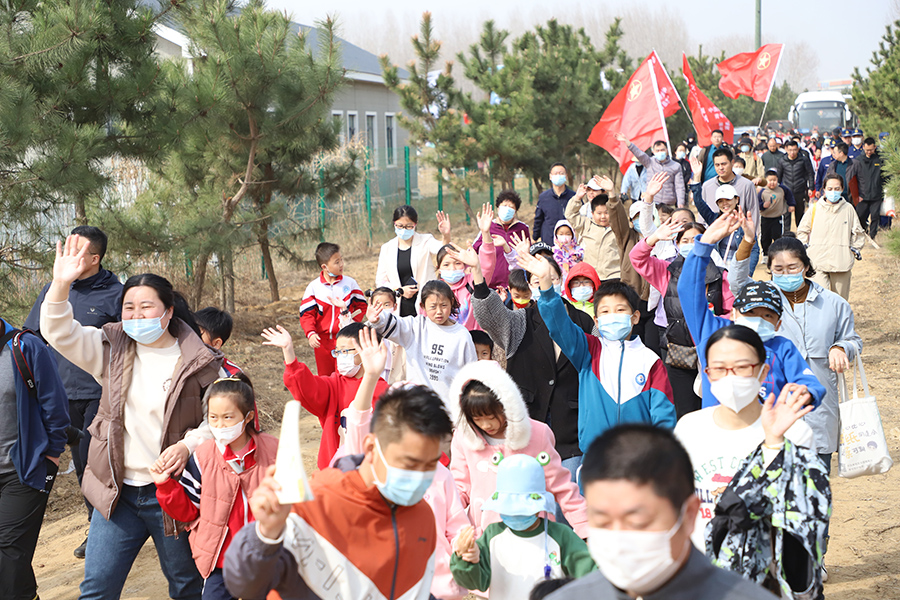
(871, 187)
(795, 172)
(96, 300)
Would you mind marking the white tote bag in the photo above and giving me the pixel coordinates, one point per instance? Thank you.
(862, 449)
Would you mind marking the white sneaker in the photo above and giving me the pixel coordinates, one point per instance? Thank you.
(824, 574)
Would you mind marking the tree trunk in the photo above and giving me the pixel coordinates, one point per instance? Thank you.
(80, 212)
(537, 186)
(228, 280)
(199, 280)
(262, 236)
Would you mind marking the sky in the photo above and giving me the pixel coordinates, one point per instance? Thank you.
(844, 33)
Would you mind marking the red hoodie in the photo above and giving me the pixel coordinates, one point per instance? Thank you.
(581, 269)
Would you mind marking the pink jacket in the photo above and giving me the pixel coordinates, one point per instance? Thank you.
(656, 272)
(463, 288)
(449, 515)
(470, 455)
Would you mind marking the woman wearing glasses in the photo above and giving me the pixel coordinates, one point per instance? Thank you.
(408, 260)
(152, 367)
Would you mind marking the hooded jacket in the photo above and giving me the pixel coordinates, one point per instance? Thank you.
(470, 462)
(581, 270)
(619, 381)
(569, 254)
(830, 231)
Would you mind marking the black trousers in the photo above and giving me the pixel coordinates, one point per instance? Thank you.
(770, 229)
(682, 381)
(869, 214)
(800, 197)
(21, 516)
(82, 413)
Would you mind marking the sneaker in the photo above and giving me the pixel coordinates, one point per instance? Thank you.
(80, 550)
(824, 574)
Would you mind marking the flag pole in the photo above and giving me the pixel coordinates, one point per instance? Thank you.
(680, 101)
(771, 86)
(662, 117)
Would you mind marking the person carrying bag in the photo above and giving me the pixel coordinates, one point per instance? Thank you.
(862, 449)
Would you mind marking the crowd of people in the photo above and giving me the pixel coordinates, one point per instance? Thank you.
(605, 404)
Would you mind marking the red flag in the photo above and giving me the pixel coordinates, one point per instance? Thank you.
(707, 116)
(668, 95)
(636, 111)
(751, 73)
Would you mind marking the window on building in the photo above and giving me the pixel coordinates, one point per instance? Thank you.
(351, 125)
(389, 141)
(371, 140)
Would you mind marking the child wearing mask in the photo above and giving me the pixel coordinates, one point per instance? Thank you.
(833, 237)
(594, 234)
(325, 396)
(453, 271)
(620, 379)
(519, 289)
(491, 419)
(580, 286)
(776, 204)
(395, 368)
(757, 306)
(437, 347)
(510, 557)
(450, 517)
(502, 230)
(220, 476)
(329, 302)
(566, 251)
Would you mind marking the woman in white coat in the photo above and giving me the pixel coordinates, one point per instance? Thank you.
(407, 260)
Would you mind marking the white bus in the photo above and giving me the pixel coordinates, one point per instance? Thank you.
(822, 111)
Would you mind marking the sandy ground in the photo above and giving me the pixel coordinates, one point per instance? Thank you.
(864, 556)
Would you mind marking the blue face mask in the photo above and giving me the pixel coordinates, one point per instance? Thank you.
(332, 275)
(143, 331)
(536, 293)
(558, 180)
(833, 196)
(557, 287)
(615, 327)
(745, 149)
(679, 155)
(518, 522)
(583, 293)
(660, 156)
(404, 234)
(764, 328)
(506, 213)
(686, 249)
(402, 487)
(637, 225)
(788, 283)
(452, 277)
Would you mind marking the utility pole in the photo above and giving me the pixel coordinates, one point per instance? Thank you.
(758, 24)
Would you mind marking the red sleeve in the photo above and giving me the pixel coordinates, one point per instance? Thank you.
(314, 393)
(174, 500)
(659, 380)
(380, 388)
(356, 304)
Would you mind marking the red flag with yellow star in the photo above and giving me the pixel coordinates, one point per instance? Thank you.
(637, 111)
(751, 73)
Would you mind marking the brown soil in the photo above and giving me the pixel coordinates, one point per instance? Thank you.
(864, 556)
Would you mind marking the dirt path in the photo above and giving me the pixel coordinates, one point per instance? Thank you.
(863, 559)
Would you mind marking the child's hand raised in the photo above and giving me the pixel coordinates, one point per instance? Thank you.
(519, 239)
(466, 546)
(373, 313)
(280, 337)
(725, 225)
(372, 353)
(500, 242)
(605, 183)
(468, 256)
(656, 184)
(777, 417)
(537, 265)
(666, 231)
(748, 225)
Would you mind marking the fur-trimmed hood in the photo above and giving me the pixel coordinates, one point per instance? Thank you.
(491, 374)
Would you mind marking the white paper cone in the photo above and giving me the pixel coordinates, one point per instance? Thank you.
(289, 471)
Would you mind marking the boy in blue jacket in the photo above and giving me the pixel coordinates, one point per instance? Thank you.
(620, 380)
(32, 436)
(757, 306)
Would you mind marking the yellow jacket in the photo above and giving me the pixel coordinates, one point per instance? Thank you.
(830, 230)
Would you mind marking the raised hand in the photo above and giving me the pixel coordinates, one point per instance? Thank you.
(621, 138)
(70, 262)
(500, 242)
(468, 256)
(372, 353)
(656, 183)
(777, 417)
(335, 301)
(484, 218)
(725, 225)
(696, 167)
(605, 183)
(279, 337)
(373, 313)
(536, 265)
(666, 231)
(581, 191)
(517, 239)
(443, 222)
(748, 225)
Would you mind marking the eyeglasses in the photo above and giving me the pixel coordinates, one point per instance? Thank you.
(406, 227)
(739, 370)
(336, 353)
(789, 270)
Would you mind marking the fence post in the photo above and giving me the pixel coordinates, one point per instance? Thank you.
(440, 190)
(322, 204)
(491, 179)
(188, 266)
(466, 172)
(406, 174)
(368, 196)
(530, 193)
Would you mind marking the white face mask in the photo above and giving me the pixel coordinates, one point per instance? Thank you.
(636, 561)
(346, 365)
(738, 171)
(226, 435)
(735, 392)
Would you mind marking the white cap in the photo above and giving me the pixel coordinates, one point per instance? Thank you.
(634, 209)
(725, 191)
(592, 184)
